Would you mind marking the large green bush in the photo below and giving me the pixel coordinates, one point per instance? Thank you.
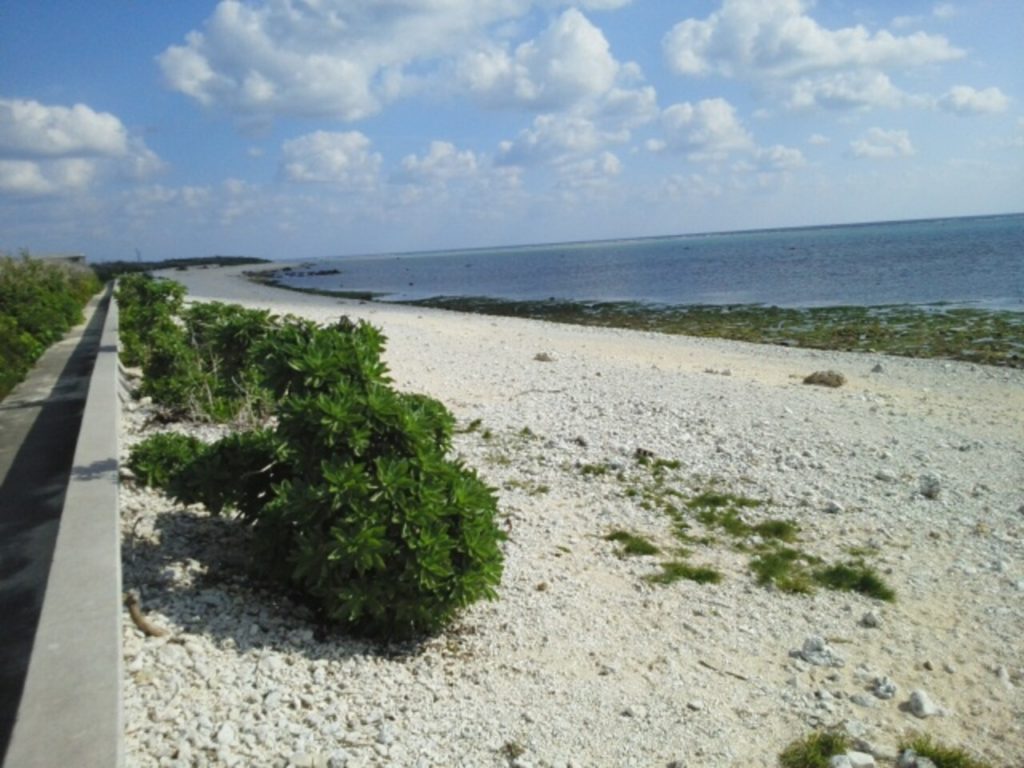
(352, 495)
(39, 302)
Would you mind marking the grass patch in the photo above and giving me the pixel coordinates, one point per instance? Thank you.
(473, 426)
(814, 751)
(716, 500)
(632, 544)
(941, 755)
(677, 570)
(786, 568)
(855, 577)
(530, 489)
(594, 470)
(779, 530)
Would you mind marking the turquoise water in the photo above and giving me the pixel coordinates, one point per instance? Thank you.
(975, 261)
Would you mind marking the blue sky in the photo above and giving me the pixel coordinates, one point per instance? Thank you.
(311, 128)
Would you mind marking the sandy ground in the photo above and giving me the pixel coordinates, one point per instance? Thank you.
(582, 661)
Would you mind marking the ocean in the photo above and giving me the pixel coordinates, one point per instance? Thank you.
(973, 262)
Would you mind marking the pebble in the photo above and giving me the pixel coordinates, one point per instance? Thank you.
(883, 688)
(921, 704)
(817, 652)
(930, 486)
(871, 620)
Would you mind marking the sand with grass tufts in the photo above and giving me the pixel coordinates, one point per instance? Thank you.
(587, 660)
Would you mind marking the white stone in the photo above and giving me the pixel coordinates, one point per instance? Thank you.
(921, 704)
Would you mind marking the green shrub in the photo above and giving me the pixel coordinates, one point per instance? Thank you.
(148, 311)
(940, 754)
(198, 362)
(39, 302)
(351, 495)
(159, 460)
(377, 526)
(814, 751)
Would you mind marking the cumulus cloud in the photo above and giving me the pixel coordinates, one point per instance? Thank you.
(878, 143)
(346, 59)
(589, 173)
(50, 149)
(846, 90)
(442, 163)
(711, 131)
(776, 38)
(342, 158)
(554, 137)
(31, 129)
(778, 45)
(708, 129)
(964, 100)
(779, 158)
(568, 62)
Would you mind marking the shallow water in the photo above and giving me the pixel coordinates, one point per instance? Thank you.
(975, 261)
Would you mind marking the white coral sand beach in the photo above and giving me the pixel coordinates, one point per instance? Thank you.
(917, 466)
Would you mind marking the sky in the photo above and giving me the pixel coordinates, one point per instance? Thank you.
(298, 129)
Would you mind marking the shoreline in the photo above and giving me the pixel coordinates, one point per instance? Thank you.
(931, 331)
(580, 643)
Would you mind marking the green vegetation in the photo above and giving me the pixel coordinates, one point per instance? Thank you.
(39, 302)
(676, 570)
(197, 362)
(814, 751)
(632, 544)
(855, 577)
(974, 335)
(941, 755)
(786, 568)
(350, 493)
(696, 519)
(161, 458)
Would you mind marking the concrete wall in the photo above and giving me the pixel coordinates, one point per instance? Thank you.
(71, 707)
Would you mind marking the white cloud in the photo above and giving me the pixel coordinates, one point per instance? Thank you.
(554, 137)
(878, 143)
(846, 90)
(568, 62)
(346, 59)
(708, 129)
(442, 163)
(777, 39)
(818, 140)
(780, 158)
(55, 149)
(31, 129)
(329, 157)
(26, 177)
(964, 100)
(711, 131)
(779, 46)
(590, 173)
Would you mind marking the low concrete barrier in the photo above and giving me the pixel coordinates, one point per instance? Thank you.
(71, 707)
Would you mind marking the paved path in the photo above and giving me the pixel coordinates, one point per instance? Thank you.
(39, 426)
